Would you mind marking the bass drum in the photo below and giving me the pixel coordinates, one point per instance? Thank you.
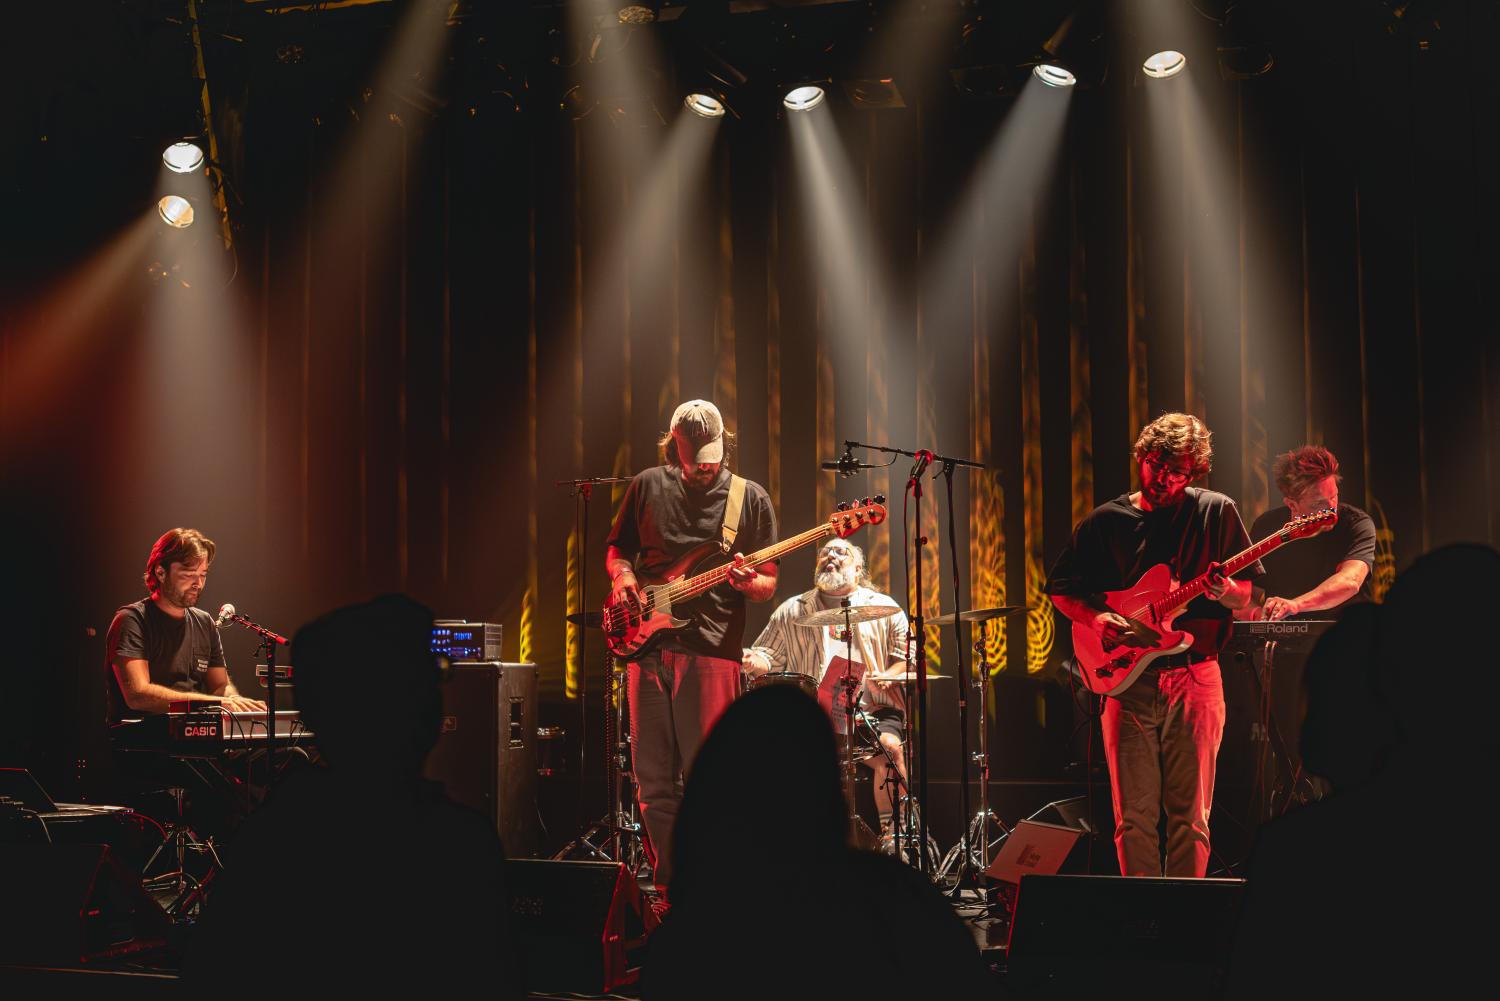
(796, 678)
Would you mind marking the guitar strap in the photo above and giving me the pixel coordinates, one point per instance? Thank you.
(732, 512)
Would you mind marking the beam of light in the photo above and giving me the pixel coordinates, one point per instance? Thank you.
(43, 345)
(610, 60)
(837, 225)
(982, 238)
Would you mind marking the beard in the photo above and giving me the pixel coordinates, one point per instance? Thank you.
(835, 580)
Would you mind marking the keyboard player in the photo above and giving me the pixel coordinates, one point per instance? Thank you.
(165, 649)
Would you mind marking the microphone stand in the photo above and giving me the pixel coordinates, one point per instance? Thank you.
(269, 641)
(583, 490)
(923, 458)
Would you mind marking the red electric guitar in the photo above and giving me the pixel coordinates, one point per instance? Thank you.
(1154, 602)
(629, 636)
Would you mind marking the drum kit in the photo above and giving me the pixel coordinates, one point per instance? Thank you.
(618, 836)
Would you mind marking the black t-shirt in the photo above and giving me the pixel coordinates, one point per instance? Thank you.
(1303, 564)
(1117, 542)
(179, 651)
(660, 520)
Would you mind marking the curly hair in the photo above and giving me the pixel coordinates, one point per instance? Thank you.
(1180, 436)
(179, 545)
(1300, 468)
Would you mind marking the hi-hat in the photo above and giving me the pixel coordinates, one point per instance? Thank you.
(835, 616)
(978, 614)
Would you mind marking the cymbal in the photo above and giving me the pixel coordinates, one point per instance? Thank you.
(978, 614)
(860, 613)
(590, 620)
(905, 676)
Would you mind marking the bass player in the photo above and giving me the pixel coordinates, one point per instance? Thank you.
(679, 688)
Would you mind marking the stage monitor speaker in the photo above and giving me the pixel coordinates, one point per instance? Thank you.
(580, 926)
(1096, 847)
(486, 750)
(1073, 934)
(63, 905)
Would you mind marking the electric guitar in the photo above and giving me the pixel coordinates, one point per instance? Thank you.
(630, 635)
(1152, 604)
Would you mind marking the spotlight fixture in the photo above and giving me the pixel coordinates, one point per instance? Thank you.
(804, 98)
(1160, 65)
(704, 105)
(636, 13)
(1053, 76)
(183, 157)
(175, 211)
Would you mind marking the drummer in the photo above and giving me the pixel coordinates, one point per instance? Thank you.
(877, 657)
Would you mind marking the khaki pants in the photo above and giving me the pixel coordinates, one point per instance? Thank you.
(1161, 738)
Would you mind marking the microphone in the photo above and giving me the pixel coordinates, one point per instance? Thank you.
(846, 465)
(924, 459)
(226, 612)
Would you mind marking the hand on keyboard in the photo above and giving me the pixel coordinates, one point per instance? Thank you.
(240, 704)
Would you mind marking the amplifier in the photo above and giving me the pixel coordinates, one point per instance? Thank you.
(485, 754)
(458, 639)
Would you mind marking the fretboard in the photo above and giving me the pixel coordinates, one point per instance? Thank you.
(1171, 602)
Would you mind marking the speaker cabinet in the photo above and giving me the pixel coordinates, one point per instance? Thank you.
(1074, 934)
(69, 904)
(486, 751)
(580, 927)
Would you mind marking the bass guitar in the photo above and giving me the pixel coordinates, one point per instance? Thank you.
(630, 634)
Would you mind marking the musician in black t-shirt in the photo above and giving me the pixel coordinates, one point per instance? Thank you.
(678, 690)
(1321, 575)
(163, 648)
(1161, 734)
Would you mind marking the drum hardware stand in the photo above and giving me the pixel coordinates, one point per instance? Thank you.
(922, 459)
(971, 856)
(859, 832)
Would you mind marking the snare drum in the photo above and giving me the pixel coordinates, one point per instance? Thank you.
(806, 682)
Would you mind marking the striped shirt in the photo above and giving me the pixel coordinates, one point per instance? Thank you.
(882, 642)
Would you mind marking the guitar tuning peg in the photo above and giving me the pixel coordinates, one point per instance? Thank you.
(865, 502)
(880, 498)
(843, 505)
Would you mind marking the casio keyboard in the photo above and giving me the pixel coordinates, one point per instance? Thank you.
(204, 729)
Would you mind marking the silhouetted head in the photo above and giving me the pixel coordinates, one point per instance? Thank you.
(765, 782)
(1347, 728)
(367, 684)
(1433, 653)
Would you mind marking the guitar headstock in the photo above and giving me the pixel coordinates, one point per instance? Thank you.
(851, 516)
(1310, 524)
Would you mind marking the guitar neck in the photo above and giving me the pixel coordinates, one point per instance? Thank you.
(694, 586)
(1173, 602)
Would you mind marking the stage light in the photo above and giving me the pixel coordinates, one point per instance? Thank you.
(1053, 76)
(636, 13)
(175, 211)
(183, 157)
(704, 105)
(1160, 65)
(803, 98)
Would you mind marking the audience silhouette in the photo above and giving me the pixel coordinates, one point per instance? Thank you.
(768, 900)
(1362, 890)
(362, 872)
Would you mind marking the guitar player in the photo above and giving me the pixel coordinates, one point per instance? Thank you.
(678, 689)
(1161, 734)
